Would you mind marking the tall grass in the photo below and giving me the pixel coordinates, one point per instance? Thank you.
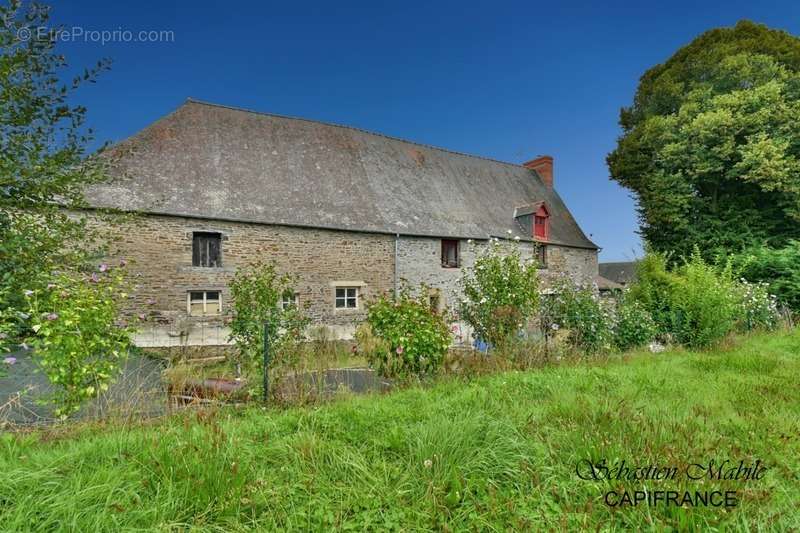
(496, 453)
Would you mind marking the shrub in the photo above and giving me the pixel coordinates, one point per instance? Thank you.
(780, 268)
(414, 336)
(577, 308)
(256, 292)
(758, 308)
(77, 336)
(501, 292)
(654, 289)
(697, 303)
(633, 325)
(704, 303)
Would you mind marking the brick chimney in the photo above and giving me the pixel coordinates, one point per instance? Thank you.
(544, 166)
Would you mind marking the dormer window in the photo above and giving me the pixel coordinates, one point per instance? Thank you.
(534, 220)
(541, 223)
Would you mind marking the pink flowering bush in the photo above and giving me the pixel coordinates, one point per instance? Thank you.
(414, 336)
(77, 337)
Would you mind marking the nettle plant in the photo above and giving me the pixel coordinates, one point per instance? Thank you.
(414, 336)
(256, 292)
(78, 337)
(501, 292)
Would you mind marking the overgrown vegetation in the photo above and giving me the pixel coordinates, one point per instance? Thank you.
(43, 171)
(697, 304)
(257, 291)
(495, 453)
(501, 292)
(578, 310)
(779, 268)
(415, 337)
(632, 324)
(76, 340)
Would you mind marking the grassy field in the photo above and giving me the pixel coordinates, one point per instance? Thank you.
(496, 453)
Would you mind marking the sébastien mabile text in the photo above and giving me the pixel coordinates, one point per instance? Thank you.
(710, 470)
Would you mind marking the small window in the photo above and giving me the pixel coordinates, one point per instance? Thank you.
(206, 248)
(435, 301)
(346, 297)
(541, 255)
(204, 303)
(289, 300)
(449, 253)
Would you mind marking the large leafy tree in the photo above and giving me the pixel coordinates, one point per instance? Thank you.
(711, 143)
(43, 168)
(49, 298)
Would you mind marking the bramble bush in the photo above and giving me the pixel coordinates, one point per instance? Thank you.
(501, 292)
(77, 335)
(256, 292)
(579, 310)
(414, 337)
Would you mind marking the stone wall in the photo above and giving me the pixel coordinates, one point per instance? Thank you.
(159, 252)
(419, 262)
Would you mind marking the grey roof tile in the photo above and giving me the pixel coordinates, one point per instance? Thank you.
(212, 161)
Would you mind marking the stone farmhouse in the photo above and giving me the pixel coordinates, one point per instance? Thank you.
(353, 214)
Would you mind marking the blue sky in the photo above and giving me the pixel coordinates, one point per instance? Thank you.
(503, 80)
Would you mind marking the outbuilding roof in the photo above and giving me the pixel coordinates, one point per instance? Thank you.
(622, 272)
(212, 161)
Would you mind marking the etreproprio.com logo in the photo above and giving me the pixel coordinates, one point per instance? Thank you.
(102, 37)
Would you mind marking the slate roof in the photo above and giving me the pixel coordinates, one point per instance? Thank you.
(623, 272)
(212, 161)
(605, 284)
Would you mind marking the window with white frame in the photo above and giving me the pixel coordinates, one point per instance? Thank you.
(289, 299)
(347, 297)
(204, 303)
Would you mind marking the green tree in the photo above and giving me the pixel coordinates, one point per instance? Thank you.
(256, 293)
(43, 168)
(711, 144)
(51, 296)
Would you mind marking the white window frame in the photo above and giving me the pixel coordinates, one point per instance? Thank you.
(286, 302)
(206, 302)
(356, 296)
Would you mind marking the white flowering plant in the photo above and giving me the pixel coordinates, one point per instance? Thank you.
(632, 324)
(758, 308)
(578, 308)
(501, 292)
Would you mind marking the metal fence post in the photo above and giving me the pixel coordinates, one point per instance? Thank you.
(266, 362)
